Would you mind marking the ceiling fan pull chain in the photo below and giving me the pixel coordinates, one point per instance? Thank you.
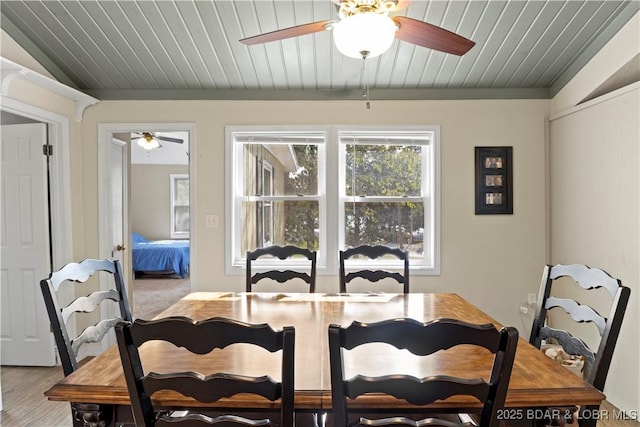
(365, 79)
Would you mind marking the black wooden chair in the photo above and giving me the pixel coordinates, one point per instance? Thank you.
(421, 339)
(374, 252)
(281, 276)
(202, 337)
(61, 312)
(576, 280)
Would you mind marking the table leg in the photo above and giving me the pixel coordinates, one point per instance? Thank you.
(92, 414)
(588, 415)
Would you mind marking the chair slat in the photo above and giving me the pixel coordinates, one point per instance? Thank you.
(214, 387)
(81, 271)
(93, 333)
(578, 312)
(569, 343)
(586, 277)
(421, 338)
(89, 303)
(281, 276)
(417, 391)
(220, 333)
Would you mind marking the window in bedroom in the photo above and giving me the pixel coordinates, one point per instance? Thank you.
(328, 188)
(179, 206)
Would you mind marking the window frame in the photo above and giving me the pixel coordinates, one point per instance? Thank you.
(329, 198)
(429, 196)
(267, 204)
(173, 177)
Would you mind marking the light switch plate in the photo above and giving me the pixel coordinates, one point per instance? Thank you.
(212, 221)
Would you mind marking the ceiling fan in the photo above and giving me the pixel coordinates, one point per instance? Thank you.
(366, 30)
(151, 141)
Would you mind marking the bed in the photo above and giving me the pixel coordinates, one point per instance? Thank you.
(152, 256)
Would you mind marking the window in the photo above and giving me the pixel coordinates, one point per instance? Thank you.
(179, 206)
(329, 188)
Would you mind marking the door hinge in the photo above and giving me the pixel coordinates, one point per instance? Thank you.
(47, 150)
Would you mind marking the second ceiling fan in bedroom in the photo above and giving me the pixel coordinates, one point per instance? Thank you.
(366, 30)
(151, 141)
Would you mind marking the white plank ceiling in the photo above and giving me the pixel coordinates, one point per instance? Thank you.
(158, 49)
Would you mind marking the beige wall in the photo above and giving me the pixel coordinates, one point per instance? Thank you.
(150, 199)
(32, 95)
(493, 260)
(595, 193)
(595, 212)
(11, 50)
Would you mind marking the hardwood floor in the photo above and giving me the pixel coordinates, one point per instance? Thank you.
(23, 401)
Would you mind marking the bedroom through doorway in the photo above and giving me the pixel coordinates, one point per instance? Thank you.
(159, 219)
(159, 262)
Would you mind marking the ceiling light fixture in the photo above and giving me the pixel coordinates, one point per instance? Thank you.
(364, 35)
(148, 142)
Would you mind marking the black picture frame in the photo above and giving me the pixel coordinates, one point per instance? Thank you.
(494, 180)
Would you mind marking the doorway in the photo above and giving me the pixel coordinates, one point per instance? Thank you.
(154, 213)
(48, 231)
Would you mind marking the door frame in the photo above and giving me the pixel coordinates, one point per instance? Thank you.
(58, 137)
(105, 135)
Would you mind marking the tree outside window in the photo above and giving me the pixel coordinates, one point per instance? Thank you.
(382, 190)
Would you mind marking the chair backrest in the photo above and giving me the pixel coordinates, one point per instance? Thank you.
(608, 324)
(281, 276)
(373, 252)
(61, 312)
(203, 337)
(422, 339)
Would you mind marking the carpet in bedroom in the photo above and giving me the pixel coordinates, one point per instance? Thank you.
(153, 294)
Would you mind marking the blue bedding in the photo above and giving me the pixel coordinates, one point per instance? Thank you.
(160, 255)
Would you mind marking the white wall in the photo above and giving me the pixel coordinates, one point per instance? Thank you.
(150, 199)
(595, 193)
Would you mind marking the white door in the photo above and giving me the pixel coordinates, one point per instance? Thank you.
(117, 199)
(116, 221)
(26, 338)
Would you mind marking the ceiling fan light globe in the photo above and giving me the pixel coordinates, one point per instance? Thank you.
(148, 144)
(364, 32)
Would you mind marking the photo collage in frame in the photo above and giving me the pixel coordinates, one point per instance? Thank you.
(494, 190)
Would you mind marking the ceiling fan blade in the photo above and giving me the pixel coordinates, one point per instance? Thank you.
(427, 35)
(285, 33)
(169, 139)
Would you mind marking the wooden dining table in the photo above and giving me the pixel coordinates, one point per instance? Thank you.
(536, 381)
